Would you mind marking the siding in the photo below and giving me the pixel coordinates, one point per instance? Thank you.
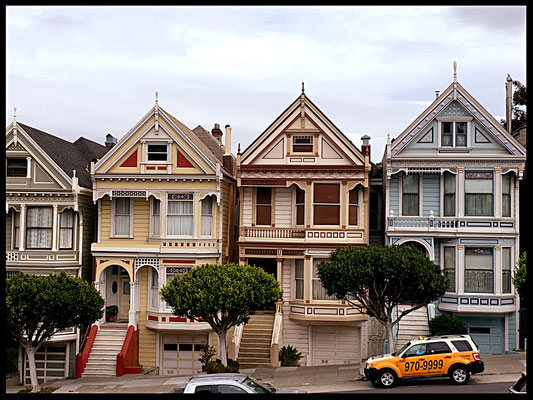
(147, 337)
(88, 209)
(512, 331)
(431, 194)
(283, 215)
(141, 225)
(394, 195)
(247, 207)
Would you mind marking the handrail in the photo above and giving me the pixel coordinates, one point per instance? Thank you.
(81, 358)
(84, 338)
(276, 334)
(236, 340)
(128, 358)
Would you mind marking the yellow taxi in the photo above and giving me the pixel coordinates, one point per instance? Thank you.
(455, 356)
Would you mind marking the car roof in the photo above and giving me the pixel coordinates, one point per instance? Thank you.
(218, 377)
(441, 337)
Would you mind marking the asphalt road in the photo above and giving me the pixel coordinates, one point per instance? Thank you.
(439, 385)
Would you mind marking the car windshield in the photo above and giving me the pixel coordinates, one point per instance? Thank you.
(255, 386)
(402, 349)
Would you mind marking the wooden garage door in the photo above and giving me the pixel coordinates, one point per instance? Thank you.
(488, 333)
(181, 353)
(336, 345)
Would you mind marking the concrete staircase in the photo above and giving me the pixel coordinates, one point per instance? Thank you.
(254, 351)
(107, 344)
(412, 325)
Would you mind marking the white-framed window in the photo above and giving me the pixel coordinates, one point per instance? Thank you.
(449, 266)
(16, 167)
(299, 279)
(122, 217)
(207, 216)
(410, 194)
(302, 143)
(263, 206)
(454, 134)
(39, 222)
(66, 229)
(479, 270)
(353, 206)
(154, 289)
(180, 214)
(300, 206)
(506, 195)
(479, 198)
(319, 293)
(326, 204)
(449, 194)
(156, 217)
(506, 269)
(157, 152)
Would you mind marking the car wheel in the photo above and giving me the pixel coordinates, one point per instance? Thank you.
(386, 378)
(459, 375)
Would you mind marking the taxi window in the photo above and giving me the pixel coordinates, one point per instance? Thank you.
(416, 350)
(438, 348)
(462, 345)
(204, 389)
(230, 389)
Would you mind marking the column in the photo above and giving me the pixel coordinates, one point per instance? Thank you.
(54, 229)
(28, 168)
(461, 192)
(131, 316)
(366, 213)
(497, 269)
(280, 271)
(308, 279)
(460, 269)
(344, 204)
(308, 203)
(497, 192)
(197, 212)
(22, 227)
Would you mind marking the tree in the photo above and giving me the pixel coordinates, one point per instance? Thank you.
(375, 279)
(519, 114)
(38, 307)
(222, 295)
(519, 278)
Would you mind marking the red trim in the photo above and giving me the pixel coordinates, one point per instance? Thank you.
(180, 319)
(81, 358)
(152, 318)
(131, 161)
(128, 358)
(301, 168)
(178, 261)
(162, 168)
(183, 162)
(150, 168)
(250, 245)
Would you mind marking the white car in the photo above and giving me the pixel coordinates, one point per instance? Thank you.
(230, 383)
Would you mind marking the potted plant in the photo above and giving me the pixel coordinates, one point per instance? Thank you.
(111, 312)
(289, 356)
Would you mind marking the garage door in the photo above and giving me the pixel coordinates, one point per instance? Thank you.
(49, 362)
(336, 345)
(181, 353)
(488, 333)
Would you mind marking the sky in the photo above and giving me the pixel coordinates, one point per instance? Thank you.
(87, 71)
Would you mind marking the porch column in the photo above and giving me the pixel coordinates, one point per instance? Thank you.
(279, 273)
(132, 312)
(308, 279)
(54, 229)
(22, 227)
(308, 203)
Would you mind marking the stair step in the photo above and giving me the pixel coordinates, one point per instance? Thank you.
(254, 365)
(254, 360)
(253, 346)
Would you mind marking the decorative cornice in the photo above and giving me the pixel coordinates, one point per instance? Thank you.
(436, 163)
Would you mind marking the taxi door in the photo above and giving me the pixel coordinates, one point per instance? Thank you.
(412, 360)
(437, 358)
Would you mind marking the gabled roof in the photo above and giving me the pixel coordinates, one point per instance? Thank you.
(68, 156)
(209, 140)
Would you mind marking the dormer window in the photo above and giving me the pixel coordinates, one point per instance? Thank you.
(157, 152)
(302, 144)
(453, 134)
(17, 167)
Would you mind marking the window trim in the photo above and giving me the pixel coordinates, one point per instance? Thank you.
(52, 228)
(26, 168)
(456, 275)
(492, 193)
(113, 225)
(212, 215)
(339, 204)
(493, 269)
(154, 143)
(194, 214)
(271, 205)
(73, 229)
(420, 191)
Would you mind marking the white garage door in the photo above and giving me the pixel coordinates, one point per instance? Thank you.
(336, 345)
(49, 362)
(181, 353)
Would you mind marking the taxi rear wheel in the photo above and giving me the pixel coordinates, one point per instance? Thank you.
(386, 378)
(459, 375)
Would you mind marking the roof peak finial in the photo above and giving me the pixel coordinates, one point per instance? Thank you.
(455, 71)
(15, 114)
(156, 96)
(303, 88)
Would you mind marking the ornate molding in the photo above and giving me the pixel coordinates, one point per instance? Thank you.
(40, 199)
(436, 163)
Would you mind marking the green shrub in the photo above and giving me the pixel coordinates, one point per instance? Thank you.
(289, 356)
(446, 324)
(233, 366)
(216, 367)
(12, 359)
(206, 354)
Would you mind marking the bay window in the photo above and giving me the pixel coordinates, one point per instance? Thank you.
(122, 216)
(207, 216)
(263, 206)
(39, 227)
(479, 269)
(319, 293)
(300, 206)
(299, 279)
(326, 204)
(353, 206)
(156, 217)
(506, 195)
(449, 266)
(66, 229)
(479, 194)
(180, 213)
(410, 194)
(506, 270)
(449, 194)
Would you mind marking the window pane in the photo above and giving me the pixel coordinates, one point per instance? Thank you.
(264, 195)
(326, 215)
(410, 204)
(122, 205)
(302, 144)
(460, 137)
(478, 185)
(300, 206)
(410, 183)
(39, 217)
(207, 206)
(17, 167)
(449, 266)
(263, 215)
(326, 193)
(207, 225)
(122, 225)
(479, 274)
(66, 230)
(319, 293)
(506, 195)
(179, 225)
(300, 195)
(352, 215)
(506, 269)
(447, 127)
(479, 204)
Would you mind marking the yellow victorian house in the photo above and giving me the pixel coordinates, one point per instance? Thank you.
(165, 196)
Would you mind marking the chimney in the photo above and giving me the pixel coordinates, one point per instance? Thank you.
(366, 145)
(217, 133)
(227, 159)
(437, 94)
(508, 102)
(228, 141)
(110, 141)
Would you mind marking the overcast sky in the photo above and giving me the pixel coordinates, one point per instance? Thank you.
(89, 71)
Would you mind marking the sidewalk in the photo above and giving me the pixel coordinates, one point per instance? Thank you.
(320, 379)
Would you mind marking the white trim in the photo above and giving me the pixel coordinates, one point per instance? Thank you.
(312, 213)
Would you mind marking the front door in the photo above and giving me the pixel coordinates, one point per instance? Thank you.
(269, 265)
(124, 295)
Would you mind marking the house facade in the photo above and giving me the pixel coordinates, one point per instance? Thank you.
(49, 224)
(303, 191)
(451, 182)
(165, 196)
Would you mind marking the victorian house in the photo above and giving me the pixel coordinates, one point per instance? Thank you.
(49, 223)
(303, 191)
(165, 196)
(452, 179)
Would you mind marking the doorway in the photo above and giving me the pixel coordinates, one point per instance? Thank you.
(270, 265)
